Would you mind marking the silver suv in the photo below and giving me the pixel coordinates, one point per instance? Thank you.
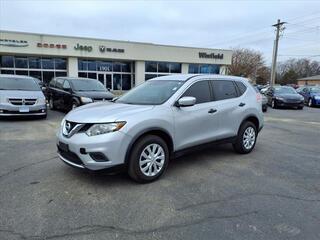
(159, 120)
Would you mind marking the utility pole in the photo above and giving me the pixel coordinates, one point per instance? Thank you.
(279, 27)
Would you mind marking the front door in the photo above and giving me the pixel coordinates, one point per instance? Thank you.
(105, 79)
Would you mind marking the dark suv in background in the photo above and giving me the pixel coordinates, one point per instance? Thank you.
(68, 93)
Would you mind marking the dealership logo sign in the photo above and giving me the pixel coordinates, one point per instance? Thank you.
(13, 43)
(210, 55)
(108, 49)
(83, 47)
(52, 45)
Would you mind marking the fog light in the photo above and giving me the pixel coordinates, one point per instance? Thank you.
(43, 110)
(1, 111)
(98, 157)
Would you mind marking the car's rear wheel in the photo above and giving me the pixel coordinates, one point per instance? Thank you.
(246, 139)
(51, 104)
(310, 102)
(149, 159)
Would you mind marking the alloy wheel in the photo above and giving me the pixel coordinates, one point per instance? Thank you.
(310, 102)
(249, 138)
(152, 160)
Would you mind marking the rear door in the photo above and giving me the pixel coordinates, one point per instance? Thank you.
(58, 93)
(67, 95)
(230, 106)
(195, 124)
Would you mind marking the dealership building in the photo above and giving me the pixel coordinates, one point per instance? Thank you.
(119, 65)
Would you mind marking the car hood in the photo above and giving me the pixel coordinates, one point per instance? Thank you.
(95, 94)
(20, 94)
(105, 112)
(289, 96)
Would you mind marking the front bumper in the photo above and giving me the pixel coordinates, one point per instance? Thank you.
(316, 102)
(16, 110)
(80, 148)
(289, 104)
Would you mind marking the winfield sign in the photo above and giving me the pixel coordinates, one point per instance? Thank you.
(210, 55)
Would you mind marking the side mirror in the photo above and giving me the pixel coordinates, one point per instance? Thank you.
(186, 102)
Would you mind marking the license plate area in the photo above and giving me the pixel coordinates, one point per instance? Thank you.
(24, 109)
(64, 147)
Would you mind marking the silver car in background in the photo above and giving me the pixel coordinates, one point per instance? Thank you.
(21, 96)
(161, 119)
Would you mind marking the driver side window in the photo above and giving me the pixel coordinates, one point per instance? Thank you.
(66, 85)
(200, 90)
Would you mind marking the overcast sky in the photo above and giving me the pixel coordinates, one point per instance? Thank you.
(216, 24)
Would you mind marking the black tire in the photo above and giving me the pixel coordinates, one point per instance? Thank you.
(264, 109)
(74, 105)
(238, 146)
(51, 104)
(134, 170)
(274, 104)
(300, 108)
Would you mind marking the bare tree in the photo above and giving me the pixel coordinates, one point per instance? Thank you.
(249, 63)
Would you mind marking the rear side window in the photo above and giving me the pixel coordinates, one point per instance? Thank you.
(241, 87)
(59, 83)
(200, 90)
(224, 90)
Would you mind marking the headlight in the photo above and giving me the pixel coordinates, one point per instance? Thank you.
(41, 101)
(86, 100)
(317, 97)
(103, 128)
(280, 98)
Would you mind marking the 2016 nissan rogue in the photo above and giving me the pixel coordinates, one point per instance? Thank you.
(159, 119)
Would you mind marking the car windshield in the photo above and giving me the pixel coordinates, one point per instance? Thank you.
(285, 90)
(153, 92)
(18, 83)
(315, 90)
(87, 85)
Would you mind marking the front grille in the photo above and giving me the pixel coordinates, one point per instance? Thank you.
(70, 156)
(293, 101)
(22, 101)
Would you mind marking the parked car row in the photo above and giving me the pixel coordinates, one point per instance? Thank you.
(287, 96)
(26, 96)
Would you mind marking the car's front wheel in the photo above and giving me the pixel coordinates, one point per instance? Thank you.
(149, 159)
(51, 104)
(310, 104)
(246, 139)
(273, 104)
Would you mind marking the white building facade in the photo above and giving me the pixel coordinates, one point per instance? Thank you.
(119, 65)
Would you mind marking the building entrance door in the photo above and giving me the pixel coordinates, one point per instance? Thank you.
(106, 80)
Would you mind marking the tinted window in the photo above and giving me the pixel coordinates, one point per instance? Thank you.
(21, 62)
(200, 90)
(87, 85)
(47, 63)
(193, 68)
(52, 83)
(241, 87)
(151, 66)
(284, 90)
(7, 61)
(59, 83)
(12, 83)
(224, 90)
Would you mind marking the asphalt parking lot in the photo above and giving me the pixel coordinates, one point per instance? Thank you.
(272, 193)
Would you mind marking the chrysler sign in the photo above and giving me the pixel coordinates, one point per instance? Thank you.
(210, 55)
(13, 43)
(108, 49)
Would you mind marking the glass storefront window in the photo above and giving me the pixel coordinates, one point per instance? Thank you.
(92, 66)
(60, 63)
(7, 61)
(125, 67)
(34, 63)
(175, 67)
(104, 66)
(47, 76)
(18, 72)
(21, 62)
(163, 67)
(83, 74)
(149, 76)
(47, 63)
(193, 68)
(7, 72)
(116, 81)
(204, 68)
(126, 81)
(61, 74)
(92, 75)
(35, 74)
(117, 67)
(82, 65)
(151, 67)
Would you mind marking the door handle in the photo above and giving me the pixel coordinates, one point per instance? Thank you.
(241, 104)
(212, 110)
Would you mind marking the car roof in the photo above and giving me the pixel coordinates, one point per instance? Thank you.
(186, 77)
(74, 78)
(15, 76)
